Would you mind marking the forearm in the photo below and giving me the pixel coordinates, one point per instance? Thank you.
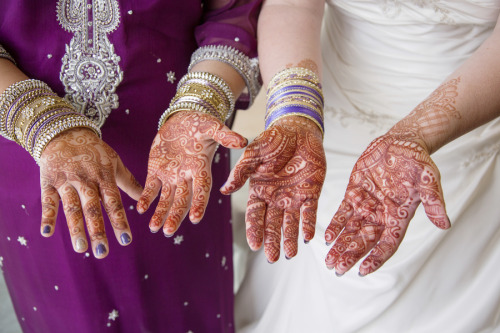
(467, 99)
(289, 35)
(9, 74)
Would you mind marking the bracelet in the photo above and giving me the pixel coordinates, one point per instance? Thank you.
(295, 92)
(203, 92)
(246, 67)
(31, 114)
(6, 55)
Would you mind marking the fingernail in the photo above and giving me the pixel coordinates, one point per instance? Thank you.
(168, 236)
(361, 275)
(153, 231)
(47, 229)
(287, 257)
(125, 238)
(100, 249)
(80, 244)
(338, 274)
(269, 261)
(306, 241)
(328, 243)
(330, 267)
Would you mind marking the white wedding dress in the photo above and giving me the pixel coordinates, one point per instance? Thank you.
(381, 58)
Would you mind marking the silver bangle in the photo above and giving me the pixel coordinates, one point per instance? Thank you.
(246, 67)
(6, 55)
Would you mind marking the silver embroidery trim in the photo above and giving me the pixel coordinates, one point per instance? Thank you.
(90, 71)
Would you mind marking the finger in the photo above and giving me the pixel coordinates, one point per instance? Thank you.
(361, 243)
(291, 219)
(114, 208)
(254, 220)
(160, 215)
(308, 212)
(179, 209)
(244, 168)
(343, 243)
(389, 242)
(229, 138)
(431, 195)
(272, 235)
(151, 190)
(202, 184)
(89, 196)
(50, 205)
(127, 182)
(339, 220)
(74, 217)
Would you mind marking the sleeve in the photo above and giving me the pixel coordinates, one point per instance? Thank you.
(228, 32)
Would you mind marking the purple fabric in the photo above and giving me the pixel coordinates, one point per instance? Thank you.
(156, 284)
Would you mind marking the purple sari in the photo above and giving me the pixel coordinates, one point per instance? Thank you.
(137, 51)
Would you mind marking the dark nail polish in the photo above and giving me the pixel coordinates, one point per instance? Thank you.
(100, 249)
(306, 241)
(125, 238)
(361, 275)
(47, 229)
(338, 274)
(328, 243)
(287, 257)
(269, 261)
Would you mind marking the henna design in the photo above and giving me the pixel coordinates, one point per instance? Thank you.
(286, 166)
(390, 179)
(306, 63)
(179, 164)
(77, 164)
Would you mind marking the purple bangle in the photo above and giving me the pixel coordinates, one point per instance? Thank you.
(49, 119)
(295, 109)
(286, 91)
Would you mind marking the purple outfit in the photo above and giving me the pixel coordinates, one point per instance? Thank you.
(128, 55)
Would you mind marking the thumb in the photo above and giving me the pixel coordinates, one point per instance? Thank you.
(431, 196)
(127, 182)
(229, 138)
(244, 168)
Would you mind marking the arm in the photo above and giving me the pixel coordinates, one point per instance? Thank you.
(180, 160)
(286, 163)
(396, 173)
(62, 174)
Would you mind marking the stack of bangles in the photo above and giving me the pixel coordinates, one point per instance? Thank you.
(31, 114)
(295, 91)
(203, 92)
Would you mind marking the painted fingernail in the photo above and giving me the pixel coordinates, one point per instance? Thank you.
(167, 235)
(47, 229)
(361, 275)
(100, 249)
(306, 241)
(328, 243)
(287, 257)
(153, 231)
(125, 238)
(80, 244)
(269, 261)
(338, 274)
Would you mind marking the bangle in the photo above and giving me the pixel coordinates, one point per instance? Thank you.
(246, 67)
(31, 114)
(6, 55)
(203, 92)
(295, 92)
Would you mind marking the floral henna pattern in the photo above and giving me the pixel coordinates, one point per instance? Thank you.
(306, 63)
(80, 169)
(390, 179)
(286, 166)
(179, 164)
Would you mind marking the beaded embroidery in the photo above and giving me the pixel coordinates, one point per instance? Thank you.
(90, 71)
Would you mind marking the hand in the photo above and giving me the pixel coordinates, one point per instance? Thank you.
(81, 170)
(286, 165)
(388, 182)
(179, 164)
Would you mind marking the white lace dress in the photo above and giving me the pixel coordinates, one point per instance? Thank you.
(381, 58)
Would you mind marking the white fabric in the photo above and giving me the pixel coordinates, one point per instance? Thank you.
(381, 58)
